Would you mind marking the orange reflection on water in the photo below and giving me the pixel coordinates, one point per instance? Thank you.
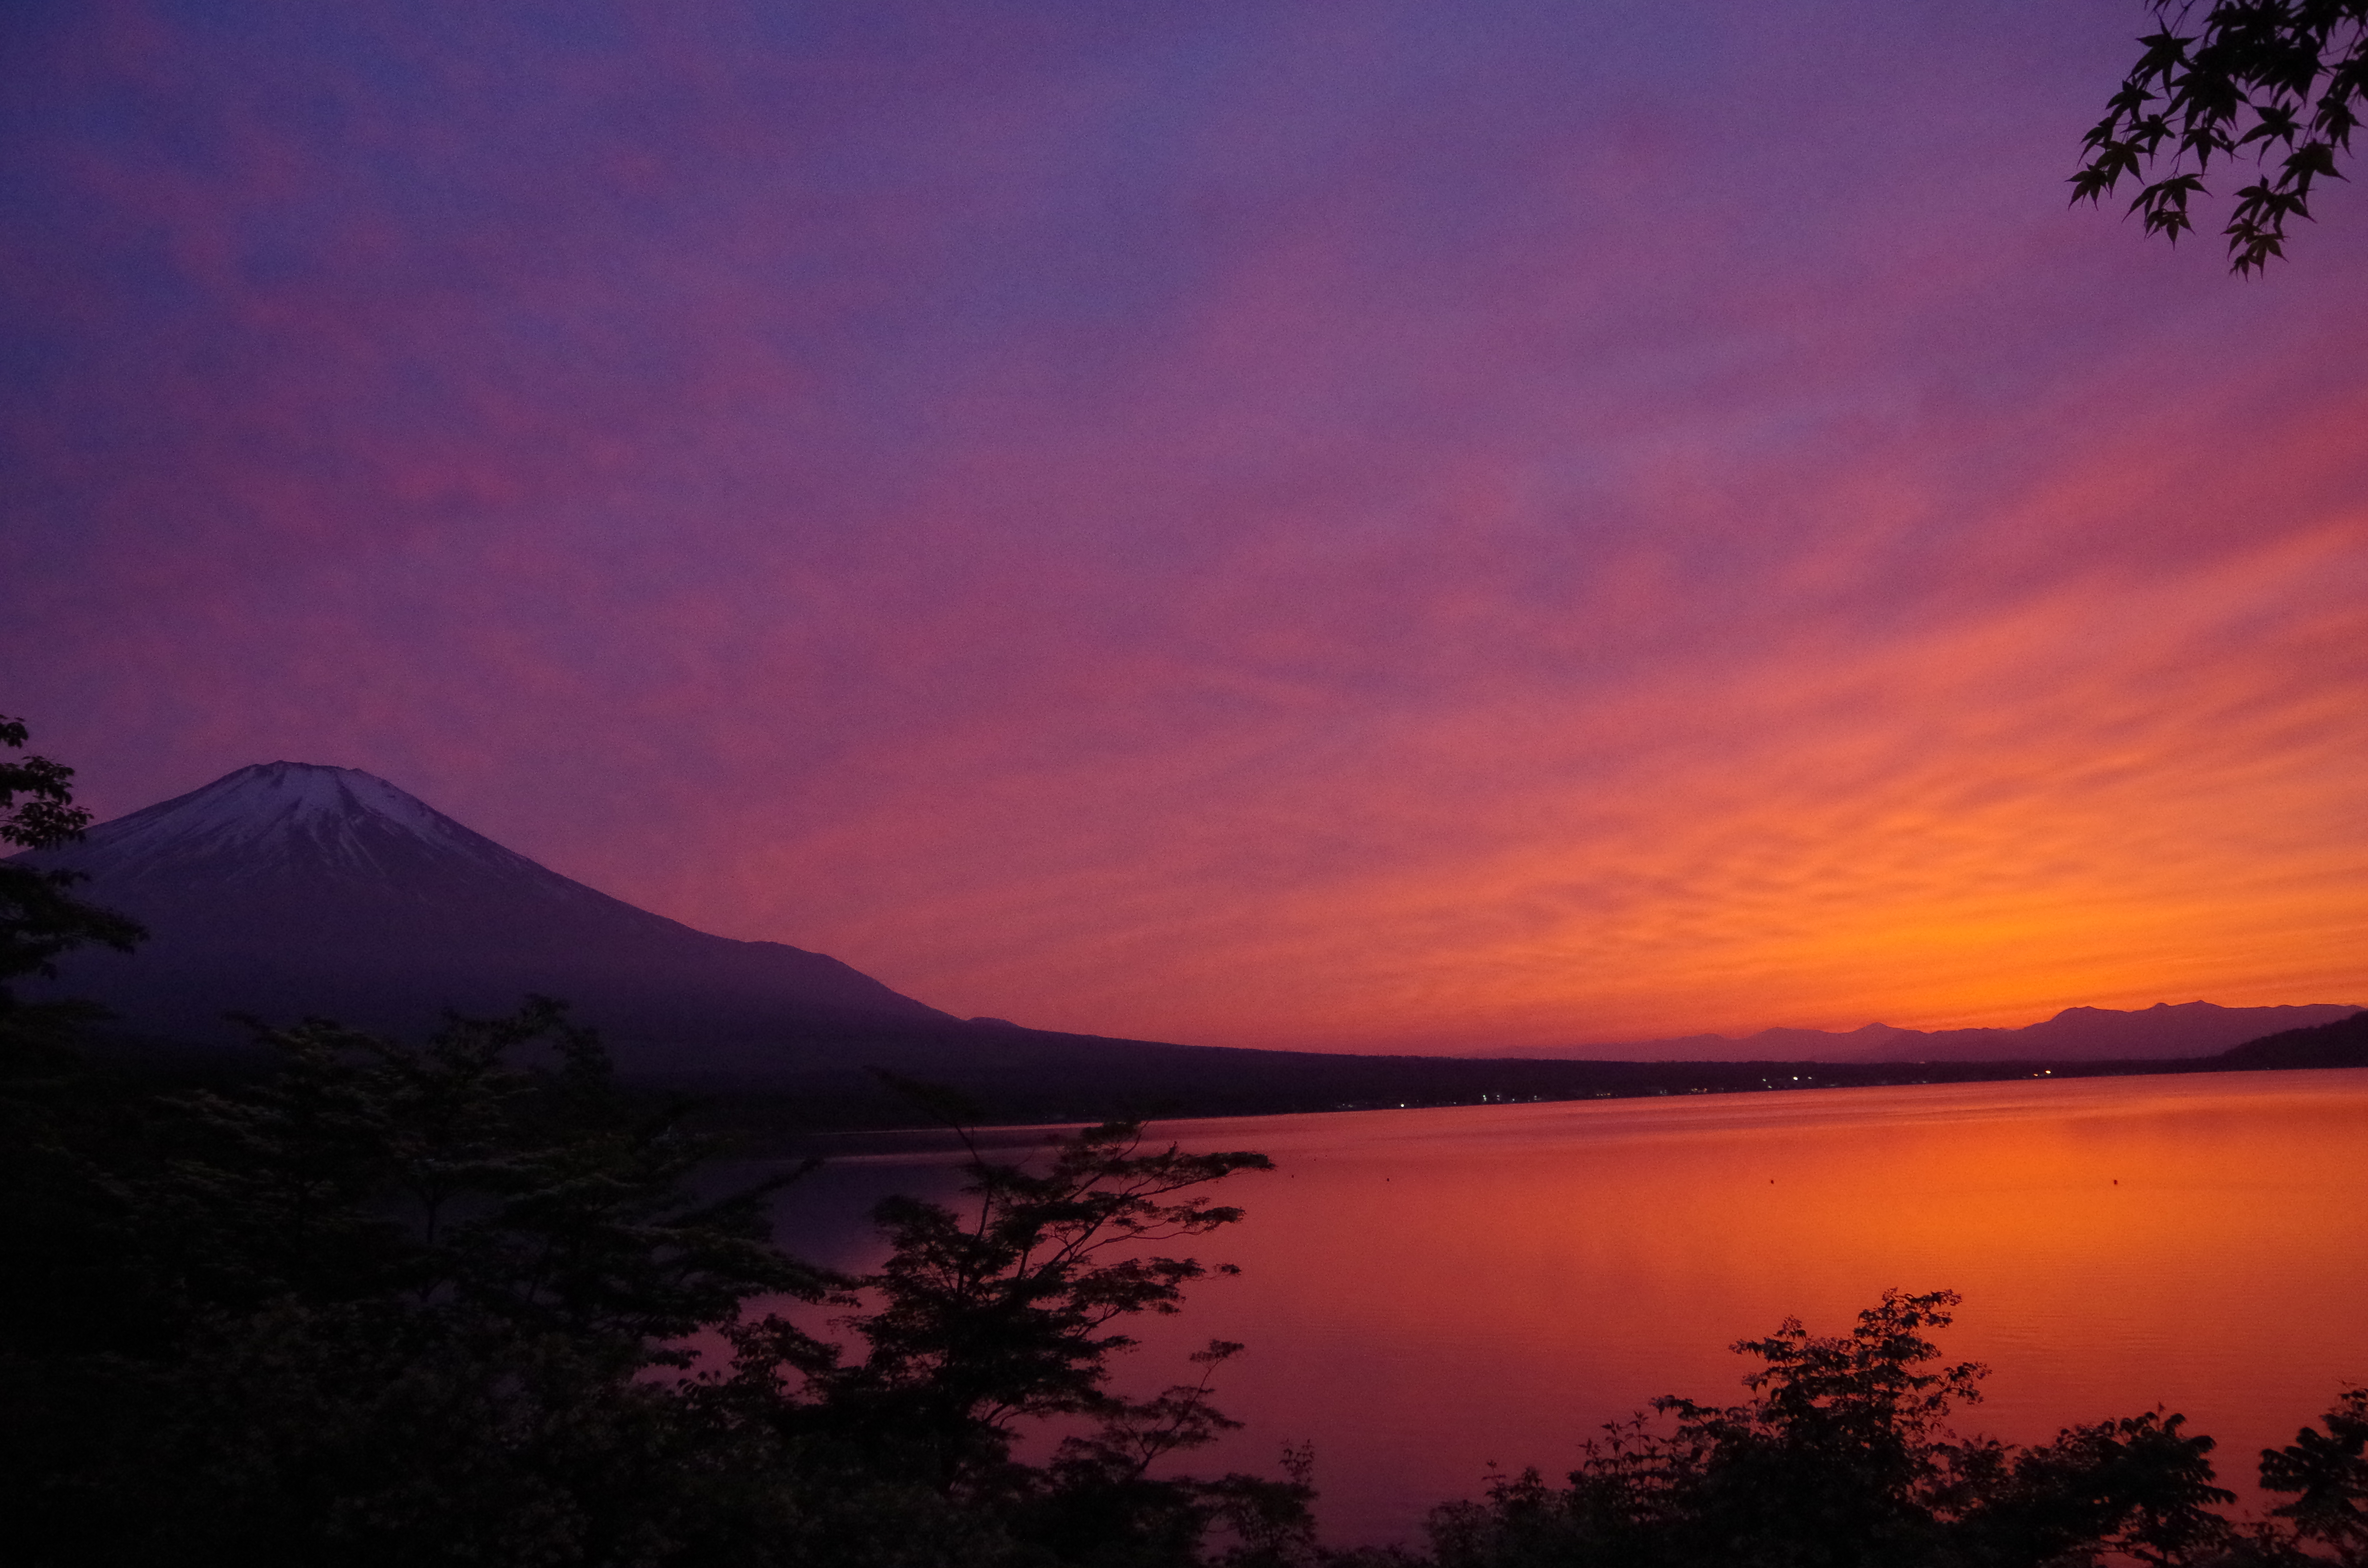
(1426, 1292)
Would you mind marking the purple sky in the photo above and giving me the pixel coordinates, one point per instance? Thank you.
(1382, 524)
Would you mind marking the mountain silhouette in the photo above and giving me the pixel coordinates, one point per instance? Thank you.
(2344, 1043)
(2165, 1032)
(291, 889)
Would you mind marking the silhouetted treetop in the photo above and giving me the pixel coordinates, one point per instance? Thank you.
(40, 919)
(2280, 81)
(1843, 1460)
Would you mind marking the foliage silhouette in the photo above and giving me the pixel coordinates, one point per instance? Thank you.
(425, 1305)
(396, 1304)
(1003, 1318)
(2253, 75)
(2328, 1472)
(40, 919)
(387, 1304)
(1843, 1458)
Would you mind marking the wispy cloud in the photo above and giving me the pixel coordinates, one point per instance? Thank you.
(1250, 526)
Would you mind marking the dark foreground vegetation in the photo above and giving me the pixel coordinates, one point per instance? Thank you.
(465, 1302)
(1841, 1456)
(456, 1303)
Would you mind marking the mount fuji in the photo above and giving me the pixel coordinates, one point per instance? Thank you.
(289, 889)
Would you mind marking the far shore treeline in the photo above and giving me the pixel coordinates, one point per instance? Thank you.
(297, 889)
(1035, 1077)
(372, 1302)
(1273, 1083)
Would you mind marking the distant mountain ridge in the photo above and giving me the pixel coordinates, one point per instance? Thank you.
(2164, 1031)
(287, 889)
(2344, 1043)
(293, 889)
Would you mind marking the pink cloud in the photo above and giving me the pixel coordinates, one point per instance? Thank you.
(1259, 529)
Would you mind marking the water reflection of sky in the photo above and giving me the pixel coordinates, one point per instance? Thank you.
(1426, 1292)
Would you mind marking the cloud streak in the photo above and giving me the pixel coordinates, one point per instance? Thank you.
(1241, 525)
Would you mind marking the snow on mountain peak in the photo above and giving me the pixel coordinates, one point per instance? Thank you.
(298, 794)
(276, 812)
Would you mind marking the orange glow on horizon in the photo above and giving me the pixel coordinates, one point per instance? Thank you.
(1242, 527)
(2113, 793)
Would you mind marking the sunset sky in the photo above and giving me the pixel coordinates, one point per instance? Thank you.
(1346, 524)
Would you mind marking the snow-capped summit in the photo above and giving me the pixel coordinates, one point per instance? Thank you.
(275, 812)
(291, 889)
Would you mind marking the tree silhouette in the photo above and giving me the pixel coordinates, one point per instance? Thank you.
(2329, 1469)
(385, 1304)
(997, 1318)
(40, 919)
(2279, 79)
(1843, 1460)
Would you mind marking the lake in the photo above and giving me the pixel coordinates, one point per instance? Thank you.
(1429, 1292)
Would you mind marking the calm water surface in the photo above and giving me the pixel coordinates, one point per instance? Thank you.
(1428, 1292)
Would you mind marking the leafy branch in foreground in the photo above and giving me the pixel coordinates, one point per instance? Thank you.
(385, 1304)
(990, 1321)
(2329, 1472)
(41, 920)
(496, 1173)
(2279, 79)
(1843, 1458)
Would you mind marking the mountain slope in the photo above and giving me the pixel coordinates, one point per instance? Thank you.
(2344, 1043)
(2162, 1032)
(287, 889)
(2106, 1034)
